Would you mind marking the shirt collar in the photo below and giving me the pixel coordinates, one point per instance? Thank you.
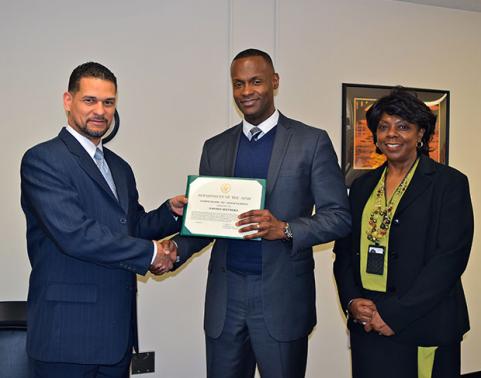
(265, 126)
(86, 143)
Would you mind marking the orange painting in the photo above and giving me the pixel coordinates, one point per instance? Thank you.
(364, 150)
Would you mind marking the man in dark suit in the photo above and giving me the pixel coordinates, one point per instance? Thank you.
(87, 237)
(260, 299)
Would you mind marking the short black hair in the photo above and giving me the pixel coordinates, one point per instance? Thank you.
(255, 52)
(402, 103)
(90, 69)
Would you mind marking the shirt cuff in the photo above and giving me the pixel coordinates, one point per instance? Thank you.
(155, 253)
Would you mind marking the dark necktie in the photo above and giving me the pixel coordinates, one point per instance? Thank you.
(255, 133)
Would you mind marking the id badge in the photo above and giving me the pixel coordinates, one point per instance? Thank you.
(375, 260)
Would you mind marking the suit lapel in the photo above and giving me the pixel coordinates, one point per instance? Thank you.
(421, 180)
(85, 161)
(279, 149)
(120, 179)
(232, 145)
(281, 142)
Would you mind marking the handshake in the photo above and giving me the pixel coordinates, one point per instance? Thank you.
(167, 249)
(364, 311)
(165, 258)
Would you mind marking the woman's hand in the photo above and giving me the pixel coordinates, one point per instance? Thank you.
(378, 325)
(362, 310)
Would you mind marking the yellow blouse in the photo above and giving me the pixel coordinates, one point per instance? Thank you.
(376, 211)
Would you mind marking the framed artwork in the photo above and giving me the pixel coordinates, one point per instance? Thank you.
(358, 149)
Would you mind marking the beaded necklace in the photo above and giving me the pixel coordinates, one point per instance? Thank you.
(381, 217)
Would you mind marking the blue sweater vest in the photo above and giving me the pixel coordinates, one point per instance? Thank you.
(253, 157)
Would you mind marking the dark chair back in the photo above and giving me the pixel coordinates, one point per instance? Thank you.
(14, 362)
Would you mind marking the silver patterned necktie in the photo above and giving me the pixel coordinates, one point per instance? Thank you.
(104, 169)
(255, 133)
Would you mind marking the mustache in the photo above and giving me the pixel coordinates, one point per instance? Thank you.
(103, 119)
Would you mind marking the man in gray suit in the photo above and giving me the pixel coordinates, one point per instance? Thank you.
(260, 300)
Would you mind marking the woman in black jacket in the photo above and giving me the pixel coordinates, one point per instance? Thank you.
(399, 272)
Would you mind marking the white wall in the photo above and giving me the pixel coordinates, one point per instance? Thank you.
(172, 61)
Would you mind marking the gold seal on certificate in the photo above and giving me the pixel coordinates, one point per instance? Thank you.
(216, 202)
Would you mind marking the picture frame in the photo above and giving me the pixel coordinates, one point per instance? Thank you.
(358, 149)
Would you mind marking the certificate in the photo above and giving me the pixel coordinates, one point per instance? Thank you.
(216, 202)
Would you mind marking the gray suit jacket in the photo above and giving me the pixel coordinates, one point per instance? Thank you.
(303, 173)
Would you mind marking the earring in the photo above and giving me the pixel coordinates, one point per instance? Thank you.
(419, 144)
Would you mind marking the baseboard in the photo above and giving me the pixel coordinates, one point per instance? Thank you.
(476, 374)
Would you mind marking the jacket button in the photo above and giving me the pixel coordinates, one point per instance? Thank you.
(396, 221)
(123, 220)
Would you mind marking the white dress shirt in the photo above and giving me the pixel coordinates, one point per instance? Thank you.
(265, 126)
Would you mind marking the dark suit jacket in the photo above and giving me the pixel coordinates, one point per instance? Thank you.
(85, 248)
(303, 173)
(429, 245)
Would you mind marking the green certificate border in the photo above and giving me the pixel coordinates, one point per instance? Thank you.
(184, 231)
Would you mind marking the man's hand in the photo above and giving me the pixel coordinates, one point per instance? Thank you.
(378, 325)
(362, 310)
(262, 221)
(166, 257)
(177, 204)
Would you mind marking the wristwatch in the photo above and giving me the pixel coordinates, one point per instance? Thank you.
(287, 232)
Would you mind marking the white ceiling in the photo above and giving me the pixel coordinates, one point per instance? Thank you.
(468, 5)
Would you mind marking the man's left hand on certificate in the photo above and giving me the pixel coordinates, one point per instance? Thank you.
(264, 222)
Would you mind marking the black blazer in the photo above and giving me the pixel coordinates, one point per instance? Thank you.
(429, 245)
